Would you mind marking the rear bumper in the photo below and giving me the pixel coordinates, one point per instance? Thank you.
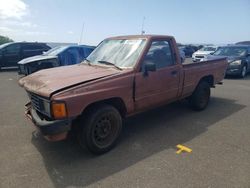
(52, 130)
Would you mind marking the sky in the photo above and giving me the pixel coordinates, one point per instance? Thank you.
(192, 21)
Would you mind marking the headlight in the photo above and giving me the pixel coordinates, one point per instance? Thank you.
(237, 62)
(59, 110)
(46, 107)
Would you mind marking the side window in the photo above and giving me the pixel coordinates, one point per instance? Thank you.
(71, 56)
(13, 49)
(37, 47)
(32, 47)
(31, 50)
(88, 51)
(82, 52)
(160, 53)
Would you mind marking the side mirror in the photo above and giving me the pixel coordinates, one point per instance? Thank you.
(149, 66)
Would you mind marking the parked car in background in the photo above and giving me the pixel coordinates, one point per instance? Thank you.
(188, 50)
(58, 56)
(200, 46)
(243, 43)
(11, 53)
(201, 53)
(238, 58)
(182, 55)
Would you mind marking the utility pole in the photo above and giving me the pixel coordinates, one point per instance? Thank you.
(142, 27)
(80, 41)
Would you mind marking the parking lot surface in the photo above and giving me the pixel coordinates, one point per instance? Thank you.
(146, 153)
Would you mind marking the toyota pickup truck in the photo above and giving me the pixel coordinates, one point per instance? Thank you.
(123, 76)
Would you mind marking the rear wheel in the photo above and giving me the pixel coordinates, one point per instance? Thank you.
(200, 97)
(100, 129)
(243, 71)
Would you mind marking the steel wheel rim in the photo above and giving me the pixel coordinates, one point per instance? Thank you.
(105, 130)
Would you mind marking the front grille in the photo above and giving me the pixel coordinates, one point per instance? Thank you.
(199, 56)
(37, 103)
(22, 69)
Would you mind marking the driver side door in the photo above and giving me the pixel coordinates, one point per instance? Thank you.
(160, 86)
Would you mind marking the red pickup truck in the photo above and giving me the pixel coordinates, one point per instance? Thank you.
(123, 76)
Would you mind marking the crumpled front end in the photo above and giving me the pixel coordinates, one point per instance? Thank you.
(52, 130)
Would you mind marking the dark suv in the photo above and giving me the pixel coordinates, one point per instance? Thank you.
(11, 53)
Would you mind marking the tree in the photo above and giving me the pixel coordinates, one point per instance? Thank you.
(4, 39)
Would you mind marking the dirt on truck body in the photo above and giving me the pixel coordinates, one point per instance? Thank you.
(123, 76)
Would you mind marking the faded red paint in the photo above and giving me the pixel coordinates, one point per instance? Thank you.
(101, 83)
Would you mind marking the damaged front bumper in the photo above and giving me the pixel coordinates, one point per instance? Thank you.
(53, 130)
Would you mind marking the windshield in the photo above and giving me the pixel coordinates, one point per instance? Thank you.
(208, 49)
(56, 50)
(231, 51)
(122, 53)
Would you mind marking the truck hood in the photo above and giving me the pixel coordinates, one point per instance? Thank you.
(36, 58)
(46, 82)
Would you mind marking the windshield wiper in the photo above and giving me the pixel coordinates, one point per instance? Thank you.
(109, 63)
(88, 62)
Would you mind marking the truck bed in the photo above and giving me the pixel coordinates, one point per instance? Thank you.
(214, 70)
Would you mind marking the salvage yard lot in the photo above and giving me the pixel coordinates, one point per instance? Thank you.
(145, 155)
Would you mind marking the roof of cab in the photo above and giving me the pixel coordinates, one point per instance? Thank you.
(140, 37)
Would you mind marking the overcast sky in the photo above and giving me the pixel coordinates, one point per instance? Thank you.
(193, 21)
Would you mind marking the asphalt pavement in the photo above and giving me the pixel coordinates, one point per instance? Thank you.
(146, 152)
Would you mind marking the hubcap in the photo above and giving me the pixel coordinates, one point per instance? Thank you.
(244, 70)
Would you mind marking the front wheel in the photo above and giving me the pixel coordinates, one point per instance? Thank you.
(243, 71)
(200, 97)
(100, 129)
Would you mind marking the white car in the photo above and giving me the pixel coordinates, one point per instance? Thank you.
(201, 53)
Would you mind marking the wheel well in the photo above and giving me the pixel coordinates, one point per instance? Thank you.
(209, 79)
(115, 102)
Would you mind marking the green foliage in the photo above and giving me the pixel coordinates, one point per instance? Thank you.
(4, 39)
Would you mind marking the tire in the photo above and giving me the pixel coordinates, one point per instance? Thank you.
(243, 71)
(100, 129)
(200, 97)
